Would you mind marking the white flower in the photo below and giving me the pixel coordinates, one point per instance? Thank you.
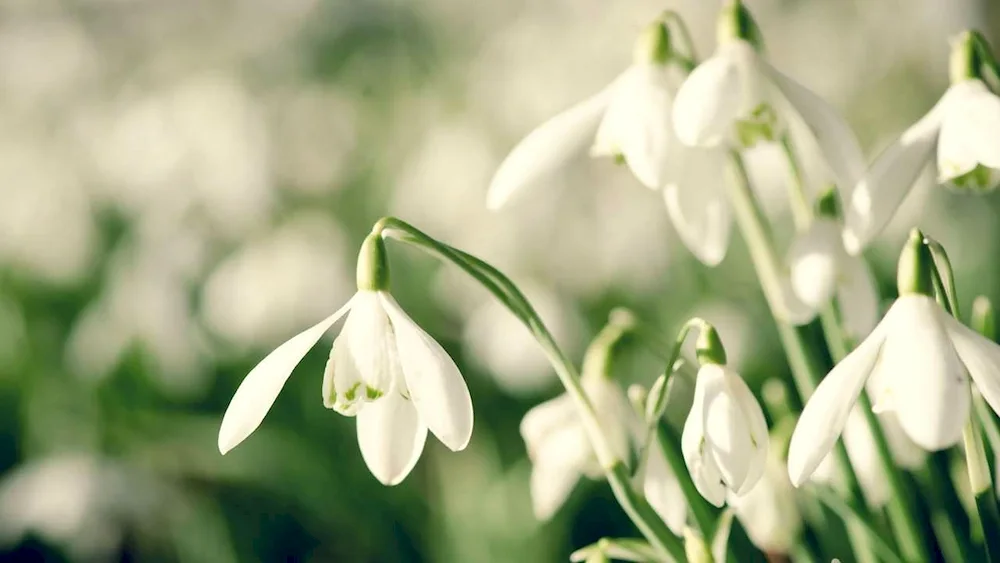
(558, 445)
(768, 512)
(962, 126)
(725, 439)
(864, 455)
(821, 269)
(731, 99)
(383, 368)
(631, 119)
(917, 363)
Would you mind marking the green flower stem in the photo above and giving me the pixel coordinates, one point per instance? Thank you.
(947, 516)
(850, 514)
(634, 504)
(687, 61)
(980, 479)
(903, 514)
(805, 363)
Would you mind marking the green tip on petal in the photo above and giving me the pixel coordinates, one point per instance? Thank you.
(708, 347)
(653, 44)
(828, 204)
(913, 275)
(373, 264)
(736, 23)
(984, 317)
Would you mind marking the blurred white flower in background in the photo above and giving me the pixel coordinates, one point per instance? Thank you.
(46, 219)
(769, 512)
(45, 61)
(81, 503)
(274, 284)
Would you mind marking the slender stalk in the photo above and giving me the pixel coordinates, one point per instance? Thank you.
(850, 514)
(805, 362)
(902, 512)
(980, 479)
(617, 473)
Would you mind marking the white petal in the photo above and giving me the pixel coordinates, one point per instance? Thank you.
(363, 363)
(545, 419)
(835, 138)
(436, 386)
(697, 455)
(755, 426)
(825, 414)
(813, 260)
(875, 198)
(708, 102)
(969, 130)
(697, 204)
(550, 486)
(548, 148)
(727, 436)
(637, 123)
(663, 490)
(923, 380)
(614, 412)
(907, 454)
(790, 307)
(261, 386)
(981, 357)
(391, 437)
(857, 295)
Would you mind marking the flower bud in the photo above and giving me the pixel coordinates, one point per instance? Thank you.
(653, 44)
(373, 266)
(828, 204)
(913, 275)
(735, 22)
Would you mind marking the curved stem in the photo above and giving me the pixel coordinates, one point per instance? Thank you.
(804, 360)
(634, 504)
(671, 16)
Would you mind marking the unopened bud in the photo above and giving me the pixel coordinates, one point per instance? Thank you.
(708, 347)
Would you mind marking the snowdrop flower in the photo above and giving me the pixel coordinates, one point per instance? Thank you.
(663, 490)
(821, 269)
(558, 445)
(734, 99)
(864, 456)
(917, 363)
(769, 512)
(725, 439)
(962, 126)
(630, 120)
(383, 368)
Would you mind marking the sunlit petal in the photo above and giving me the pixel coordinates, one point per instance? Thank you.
(969, 130)
(981, 357)
(874, 200)
(755, 427)
(261, 386)
(834, 136)
(546, 149)
(550, 486)
(825, 414)
(391, 437)
(924, 380)
(545, 419)
(637, 124)
(436, 387)
(697, 204)
(708, 102)
(697, 455)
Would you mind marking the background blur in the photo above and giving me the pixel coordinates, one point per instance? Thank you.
(184, 184)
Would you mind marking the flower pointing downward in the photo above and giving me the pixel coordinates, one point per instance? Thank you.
(630, 120)
(962, 126)
(916, 363)
(383, 368)
(725, 439)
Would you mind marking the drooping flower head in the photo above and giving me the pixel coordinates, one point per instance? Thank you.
(962, 127)
(917, 364)
(735, 98)
(555, 437)
(725, 438)
(383, 369)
